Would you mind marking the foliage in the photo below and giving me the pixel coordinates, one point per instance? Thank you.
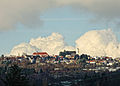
(14, 77)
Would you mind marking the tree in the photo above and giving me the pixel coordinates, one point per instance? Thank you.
(2, 56)
(14, 77)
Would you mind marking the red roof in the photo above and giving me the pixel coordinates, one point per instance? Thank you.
(40, 53)
(108, 57)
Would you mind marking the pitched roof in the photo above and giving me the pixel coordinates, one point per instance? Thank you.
(40, 53)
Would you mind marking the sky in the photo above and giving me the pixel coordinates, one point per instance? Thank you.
(62, 19)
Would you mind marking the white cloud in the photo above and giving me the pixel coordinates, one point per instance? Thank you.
(52, 44)
(94, 43)
(23, 48)
(99, 43)
(113, 50)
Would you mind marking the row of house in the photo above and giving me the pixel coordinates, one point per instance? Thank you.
(67, 57)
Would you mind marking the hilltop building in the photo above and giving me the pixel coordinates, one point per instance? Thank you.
(71, 53)
(41, 54)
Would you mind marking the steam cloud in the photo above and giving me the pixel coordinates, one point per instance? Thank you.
(27, 12)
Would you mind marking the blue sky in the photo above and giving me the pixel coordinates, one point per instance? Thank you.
(62, 20)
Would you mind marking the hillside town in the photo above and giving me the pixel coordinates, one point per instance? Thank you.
(67, 65)
(65, 57)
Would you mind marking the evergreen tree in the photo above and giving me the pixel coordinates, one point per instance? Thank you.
(14, 77)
